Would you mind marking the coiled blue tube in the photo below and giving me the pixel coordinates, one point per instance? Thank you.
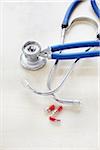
(95, 8)
(69, 13)
(75, 45)
(79, 55)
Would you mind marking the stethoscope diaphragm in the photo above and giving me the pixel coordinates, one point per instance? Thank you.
(30, 58)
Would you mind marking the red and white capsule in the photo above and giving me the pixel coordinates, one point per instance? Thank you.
(56, 111)
(50, 108)
(53, 118)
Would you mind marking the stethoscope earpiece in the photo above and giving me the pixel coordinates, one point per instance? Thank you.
(30, 58)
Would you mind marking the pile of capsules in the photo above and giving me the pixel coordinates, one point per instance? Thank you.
(53, 111)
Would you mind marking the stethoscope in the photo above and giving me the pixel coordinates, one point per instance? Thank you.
(34, 58)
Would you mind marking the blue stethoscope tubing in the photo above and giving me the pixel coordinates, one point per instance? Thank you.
(75, 45)
(78, 55)
(95, 8)
(78, 44)
(72, 8)
(69, 13)
(57, 48)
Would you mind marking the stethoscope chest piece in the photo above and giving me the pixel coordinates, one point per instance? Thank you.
(30, 58)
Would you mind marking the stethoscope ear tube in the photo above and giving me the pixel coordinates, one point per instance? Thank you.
(69, 13)
(72, 8)
(95, 8)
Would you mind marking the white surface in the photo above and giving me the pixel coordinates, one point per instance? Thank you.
(24, 124)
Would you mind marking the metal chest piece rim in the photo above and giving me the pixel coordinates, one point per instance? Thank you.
(30, 58)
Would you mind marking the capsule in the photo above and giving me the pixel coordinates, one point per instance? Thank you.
(53, 119)
(50, 108)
